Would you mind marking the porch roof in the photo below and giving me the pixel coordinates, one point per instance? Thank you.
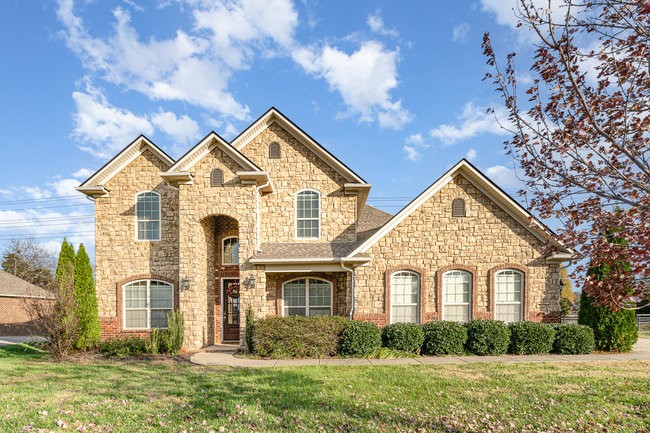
(306, 252)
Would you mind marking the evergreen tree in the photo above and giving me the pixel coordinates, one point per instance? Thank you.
(65, 265)
(87, 312)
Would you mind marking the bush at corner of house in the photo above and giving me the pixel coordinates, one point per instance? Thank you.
(487, 337)
(360, 338)
(175, 333)
(298, 336)
(443, 337)
(531, 338)
(614, 331)
(403, 336)
(125, 346)
(573, 339)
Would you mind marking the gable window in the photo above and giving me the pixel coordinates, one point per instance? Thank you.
(147, 304)
(456, 295)
(216, 177)
(307, 297)
(274, 150)
(230, 251)
(405, 297)
(308, 214)
(147, 215)
(508, 293)
(458, 207)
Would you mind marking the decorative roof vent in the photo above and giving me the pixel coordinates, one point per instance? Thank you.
(458, 207)
(216, 177)
(274, 150)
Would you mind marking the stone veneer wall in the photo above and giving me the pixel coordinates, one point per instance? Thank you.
(430, 241)
(119, 255)
(299, 168)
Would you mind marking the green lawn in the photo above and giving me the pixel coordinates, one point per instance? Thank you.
(120, 396)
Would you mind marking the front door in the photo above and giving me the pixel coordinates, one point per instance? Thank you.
(230, 316)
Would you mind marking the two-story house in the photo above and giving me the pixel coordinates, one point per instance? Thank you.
(274, 221)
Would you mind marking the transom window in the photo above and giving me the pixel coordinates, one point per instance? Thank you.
(147, 304)
(457, 295)
(147, 214)
(508, 294)
(308, 214)
(405, 297)
(231, 251)
(307, 297)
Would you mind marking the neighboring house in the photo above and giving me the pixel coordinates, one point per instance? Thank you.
(274, 211)
(15, 296)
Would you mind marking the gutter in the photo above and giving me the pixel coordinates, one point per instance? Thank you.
(351, 270)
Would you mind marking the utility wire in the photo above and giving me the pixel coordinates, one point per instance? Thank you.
(46, 219)
(39, 200)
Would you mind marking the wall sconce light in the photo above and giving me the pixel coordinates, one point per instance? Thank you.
(185, 283)
(249, 282)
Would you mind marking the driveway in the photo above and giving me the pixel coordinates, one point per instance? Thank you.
(15, 339)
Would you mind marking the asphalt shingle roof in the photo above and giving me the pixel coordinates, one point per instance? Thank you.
(11, 285)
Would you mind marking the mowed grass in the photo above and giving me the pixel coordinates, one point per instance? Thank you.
(37, 394)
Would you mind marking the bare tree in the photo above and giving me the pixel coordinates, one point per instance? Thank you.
(28, 260)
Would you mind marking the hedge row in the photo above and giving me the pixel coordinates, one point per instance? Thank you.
(317, 337)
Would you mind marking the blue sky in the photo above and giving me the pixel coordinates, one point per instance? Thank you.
(394, 89)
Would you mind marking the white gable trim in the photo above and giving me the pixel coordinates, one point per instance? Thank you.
(514, 209)
(205, 146)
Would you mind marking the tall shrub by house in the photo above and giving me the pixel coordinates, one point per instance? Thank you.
(614, 331)
(87, 313)
(65, 265)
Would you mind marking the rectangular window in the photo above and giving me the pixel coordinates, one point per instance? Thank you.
(147, 304)
(308, 215)
(230, 251)
(457, 289)
(405, 297)
(148, 216)
(508, 295)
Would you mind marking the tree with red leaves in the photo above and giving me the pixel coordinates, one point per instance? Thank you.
(581, 134)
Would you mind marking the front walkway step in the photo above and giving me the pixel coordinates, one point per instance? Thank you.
(223, 348)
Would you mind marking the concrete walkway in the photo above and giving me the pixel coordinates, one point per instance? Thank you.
(224, 357)
(16, 339)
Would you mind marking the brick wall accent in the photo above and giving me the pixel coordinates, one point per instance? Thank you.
(15, 317)
(475, 312)
(526, 313)
(423, 289)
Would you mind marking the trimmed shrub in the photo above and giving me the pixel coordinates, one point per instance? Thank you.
(86, 311)
(360, 338)
(444, 338)
(572, 339)
(128, 346)
(614, 331)
(175, 333)
(487, 337)
(250, 328)
(403, 336)
(530, 338)
(299, 337)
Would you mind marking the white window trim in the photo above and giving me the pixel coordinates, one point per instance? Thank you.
(523, 293)
(223, 250)
(295, 218)
(159, 217)
(468, 303)
(148, 308)
(419, 320)
(307, 295)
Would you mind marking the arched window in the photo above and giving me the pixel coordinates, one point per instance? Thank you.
(308, 214)
(456, 296)
(274, 150)
(405, 297)
(307, 297)
(508, 295)
(216, 177)
(147, 304)
(147, 216)
(458, 207)
(230, 251)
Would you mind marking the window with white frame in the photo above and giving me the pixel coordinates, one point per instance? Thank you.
(405, 297)
(508, 294)
(147, 304)
(147, 215)
(456, 296)
(308, 214)
(231, 251)
(307, 297)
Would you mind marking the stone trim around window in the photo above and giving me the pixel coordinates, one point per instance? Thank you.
(120, 307)
(474, 314)
(525, 314)
(280, 283)
(387, 281)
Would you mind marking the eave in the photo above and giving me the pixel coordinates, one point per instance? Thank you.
(175, 178)
(259, 178)
(361, 190)
(93, 191)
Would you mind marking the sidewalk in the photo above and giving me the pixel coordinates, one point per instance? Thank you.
(640, 352)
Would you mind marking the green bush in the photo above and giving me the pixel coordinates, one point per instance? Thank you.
(444, 338)
(126, 346)
(572, 339)
(158, 342)
(86, 311)
(175, 332)
(614, 331)
(299, 337)
(487, 337)
(403, 336)
(360, 338)
(250, 328)
(530, 338)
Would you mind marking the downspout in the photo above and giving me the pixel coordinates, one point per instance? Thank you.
(351, 270)
(258, 224)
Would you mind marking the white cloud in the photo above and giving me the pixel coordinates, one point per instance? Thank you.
(471, 122)
(364, 79)
(376, 24)
(505, 11)
(82, 173)
(103, 128)
(65, 187)
(471, 155)
(503, 176)
(412, 153)
(460, 32)
(35, 192)
(182, 129)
